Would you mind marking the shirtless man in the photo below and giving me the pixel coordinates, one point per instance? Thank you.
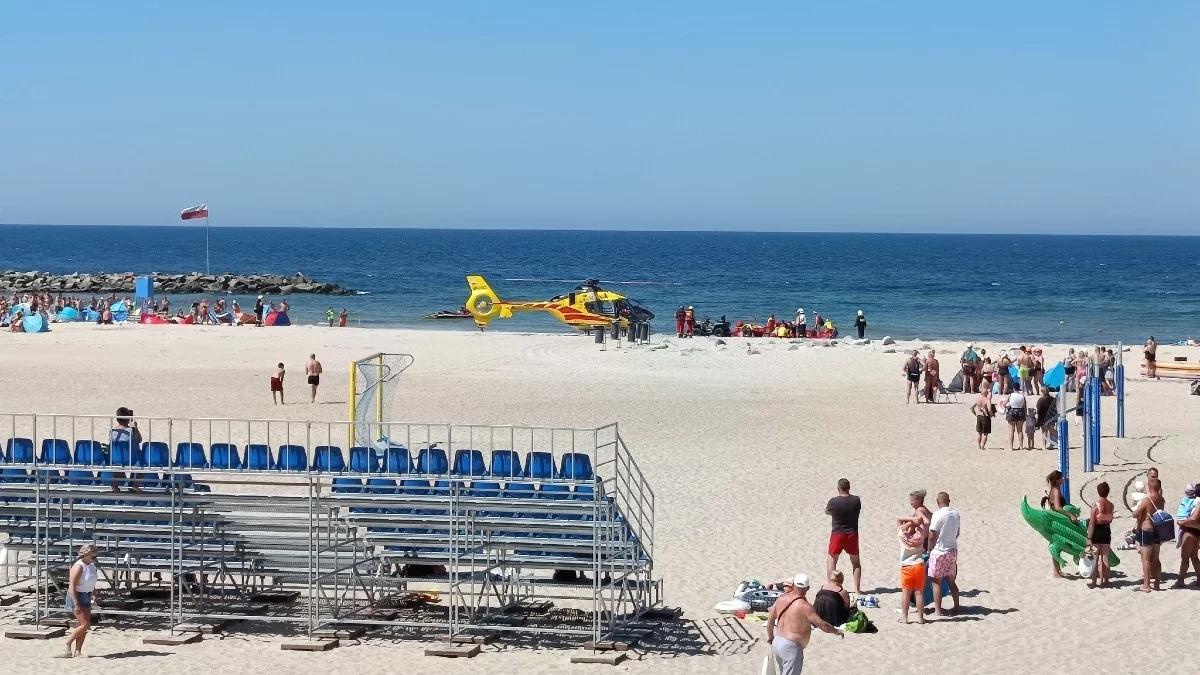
(313, 370)
(932, 377)
(792, 617)
(1003, 373)
(1150, 351)
(1024, 369)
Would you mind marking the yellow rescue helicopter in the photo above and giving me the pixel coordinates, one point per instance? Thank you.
(586, 307)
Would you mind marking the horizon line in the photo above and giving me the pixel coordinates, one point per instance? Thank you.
(613, 230)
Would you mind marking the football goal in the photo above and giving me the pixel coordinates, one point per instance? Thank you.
(373, 381)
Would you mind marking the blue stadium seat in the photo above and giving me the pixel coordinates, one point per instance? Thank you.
(555, 491)
(364, 459)
(328, 458)
(414, 486)
(225, 456)
(55, 451)
(80, 477)
(190, 455)
(124, 454)
(90, 453)
(292, 458)
(432, 460)
(584, 492)
(506, 464)
(18, 451)
(347, 485)
(576, 466)
(485, 488)
(519, 490)
(11, 475)
(148, 481)
(539, 465)
(381, 486)
(469, 463)
(258, 457)
(107, 478)
(156, 454)
(47, 475)
(397, 460)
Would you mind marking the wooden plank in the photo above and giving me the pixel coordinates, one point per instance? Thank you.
(169, 640)
(246, 608)
(381, 613)
(604, 658)
(309, 645)
(59, 621)
(9, 599)
(35, 633)
(151, 593)
(454, 652)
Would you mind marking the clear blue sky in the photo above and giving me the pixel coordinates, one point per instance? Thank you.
(878, 116)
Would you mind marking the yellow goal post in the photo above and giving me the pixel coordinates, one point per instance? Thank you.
(373, 382)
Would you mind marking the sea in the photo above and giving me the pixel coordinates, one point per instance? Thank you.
(999, 287)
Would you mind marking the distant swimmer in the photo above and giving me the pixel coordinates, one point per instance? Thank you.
(801, 323)
(680, 319)
(330, 315)
(343, 316)
(689, 321)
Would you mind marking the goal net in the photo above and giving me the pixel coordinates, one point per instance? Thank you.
(373, 382)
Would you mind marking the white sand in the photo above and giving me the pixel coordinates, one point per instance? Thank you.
(742, 449)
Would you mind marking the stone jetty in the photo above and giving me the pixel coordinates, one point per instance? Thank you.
(183, 284)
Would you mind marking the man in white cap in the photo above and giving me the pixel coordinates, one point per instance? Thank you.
(258, 311)
(801, 323)
(789, 626)
(860, 322)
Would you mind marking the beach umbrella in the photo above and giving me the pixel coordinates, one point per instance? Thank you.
(1055, 376)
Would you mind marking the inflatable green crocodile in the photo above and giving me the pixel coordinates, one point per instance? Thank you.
(1064, 536)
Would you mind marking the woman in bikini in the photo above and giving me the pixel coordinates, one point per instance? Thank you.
(1055, 502)
(1100, 535)
(1147, 539)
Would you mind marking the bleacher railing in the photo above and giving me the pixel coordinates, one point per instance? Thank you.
(334, 549)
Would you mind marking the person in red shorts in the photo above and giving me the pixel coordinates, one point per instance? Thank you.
(844, 510)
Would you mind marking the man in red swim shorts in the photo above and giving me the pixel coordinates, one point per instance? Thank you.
(844, 510)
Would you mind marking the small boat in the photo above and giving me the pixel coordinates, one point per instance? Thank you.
(446, 314)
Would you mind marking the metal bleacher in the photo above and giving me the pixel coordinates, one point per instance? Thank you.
(442, 527)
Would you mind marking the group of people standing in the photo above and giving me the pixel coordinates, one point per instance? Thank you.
(1153, 526)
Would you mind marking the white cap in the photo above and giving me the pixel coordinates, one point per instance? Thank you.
(800, 310)
(860, 312)
(800, 581)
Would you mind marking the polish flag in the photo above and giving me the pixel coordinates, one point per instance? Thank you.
(194, 212)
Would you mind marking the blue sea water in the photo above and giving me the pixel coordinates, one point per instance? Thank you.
(999, 287)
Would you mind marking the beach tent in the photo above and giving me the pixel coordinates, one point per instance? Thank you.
(91, 315)
(36, 323)
(1014, 373)
(19, 307)
(956, 384)
(119, 311)
(68, 314)
(277, 318)
(150, 317)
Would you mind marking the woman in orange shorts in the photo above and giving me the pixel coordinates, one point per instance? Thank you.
(914, 530)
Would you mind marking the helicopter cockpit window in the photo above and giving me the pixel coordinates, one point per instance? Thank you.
(600, 307)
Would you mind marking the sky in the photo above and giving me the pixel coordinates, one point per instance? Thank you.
(1071, 117)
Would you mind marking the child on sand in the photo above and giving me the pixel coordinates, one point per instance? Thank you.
(277, 384)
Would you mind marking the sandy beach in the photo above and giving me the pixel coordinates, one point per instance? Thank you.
(743, 444)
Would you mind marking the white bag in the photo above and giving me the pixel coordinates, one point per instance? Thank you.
(1087, 565)
(769, 667)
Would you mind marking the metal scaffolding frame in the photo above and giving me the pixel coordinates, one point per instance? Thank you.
(205, 544)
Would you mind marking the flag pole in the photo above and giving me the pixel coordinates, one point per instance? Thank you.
(207, 263)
